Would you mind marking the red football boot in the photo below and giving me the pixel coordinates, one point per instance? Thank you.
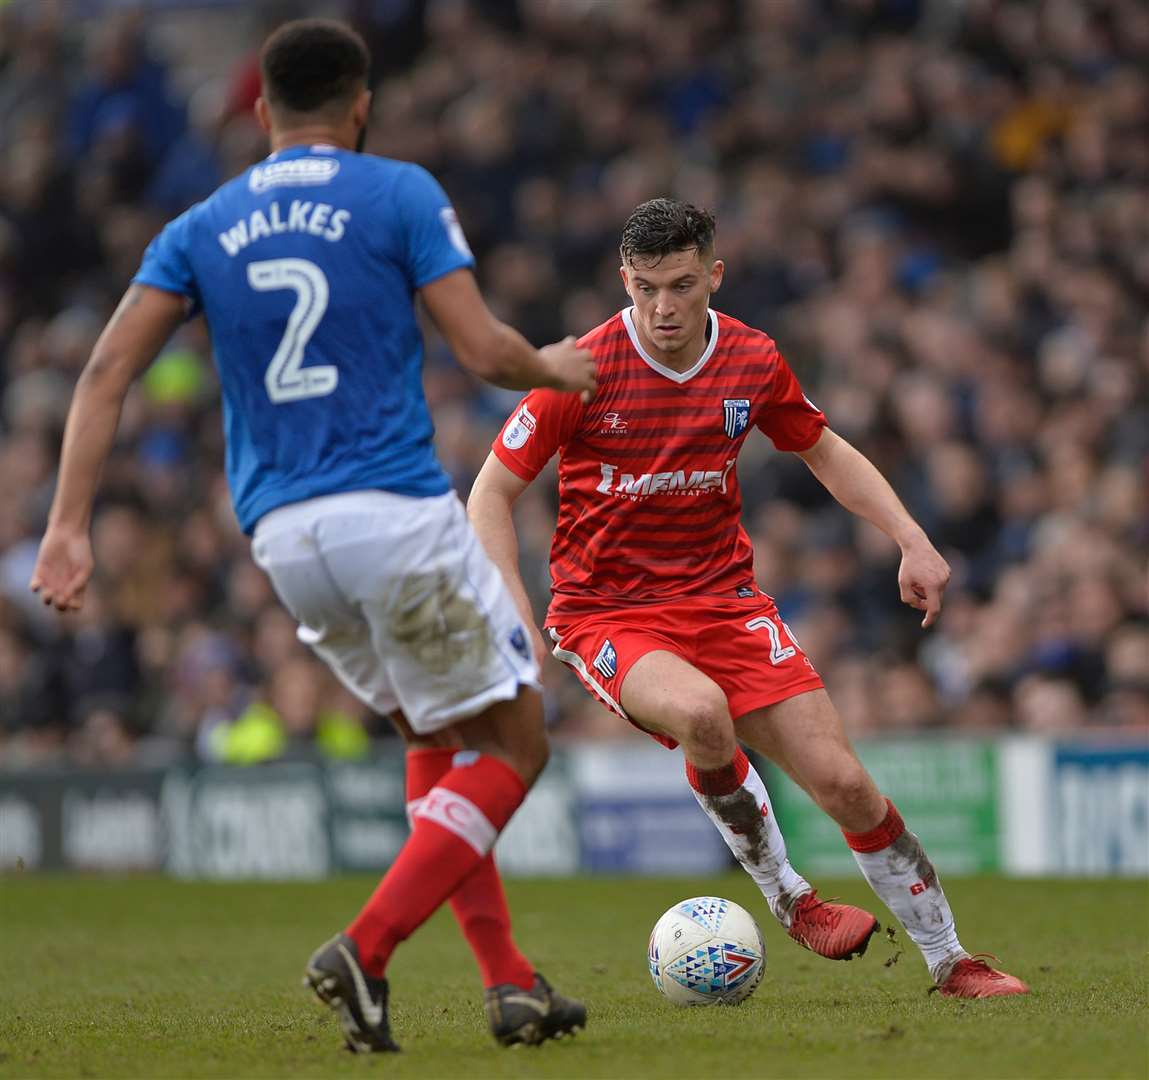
(972, 977)
(835, 931)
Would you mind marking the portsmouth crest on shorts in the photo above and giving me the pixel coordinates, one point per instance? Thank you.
(606, 663)
(518, 640)
(735, 415)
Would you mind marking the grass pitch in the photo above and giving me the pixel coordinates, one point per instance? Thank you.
(147, 977)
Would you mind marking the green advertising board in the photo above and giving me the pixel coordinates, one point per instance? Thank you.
(945, 789)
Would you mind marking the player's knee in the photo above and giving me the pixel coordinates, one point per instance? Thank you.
(704, 726)
(846, 791)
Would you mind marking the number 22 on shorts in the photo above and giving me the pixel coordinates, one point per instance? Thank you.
(779, 653)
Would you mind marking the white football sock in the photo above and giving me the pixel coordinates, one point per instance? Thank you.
(735, 799)
(899, 871)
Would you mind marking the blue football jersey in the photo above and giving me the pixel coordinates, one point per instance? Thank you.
(306, 268)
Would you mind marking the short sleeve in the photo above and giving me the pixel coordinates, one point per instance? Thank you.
(544, 422)
(166, 265)
(790, 419)
(435, 244)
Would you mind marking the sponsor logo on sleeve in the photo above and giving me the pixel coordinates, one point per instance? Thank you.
(520, 429)
(735, 416)
(455, 232)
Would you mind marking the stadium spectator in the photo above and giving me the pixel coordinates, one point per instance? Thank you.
(302, 714)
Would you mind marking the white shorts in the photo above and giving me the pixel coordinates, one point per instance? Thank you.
(398, 597)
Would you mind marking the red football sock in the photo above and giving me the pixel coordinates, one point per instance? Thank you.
(725, 780)
(881, 836)
(479, 903)
(454, 828)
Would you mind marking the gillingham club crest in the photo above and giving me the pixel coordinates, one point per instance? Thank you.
(606, 662)
(735, 416)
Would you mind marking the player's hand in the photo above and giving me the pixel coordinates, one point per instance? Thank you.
(569, 368)
(63, 567)
(922, 579)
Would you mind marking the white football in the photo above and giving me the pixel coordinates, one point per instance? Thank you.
(706, 951)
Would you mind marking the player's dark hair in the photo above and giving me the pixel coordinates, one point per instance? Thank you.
(660, 226)
(311, 64)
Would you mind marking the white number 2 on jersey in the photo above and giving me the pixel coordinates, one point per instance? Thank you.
(286, 378)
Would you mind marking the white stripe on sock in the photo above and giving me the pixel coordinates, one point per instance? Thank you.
(459, 815)
(412, 806)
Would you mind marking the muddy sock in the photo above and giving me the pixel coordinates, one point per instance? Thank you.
(898, 870)
(735, 799)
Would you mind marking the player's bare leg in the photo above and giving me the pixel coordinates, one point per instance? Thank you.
(664, 693)
(804, 735)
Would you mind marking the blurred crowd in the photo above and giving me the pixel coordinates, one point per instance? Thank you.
(940, 211)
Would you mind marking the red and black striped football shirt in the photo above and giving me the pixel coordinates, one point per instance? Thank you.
(649, 506)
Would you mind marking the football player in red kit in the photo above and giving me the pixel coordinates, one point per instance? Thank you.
(655, 605)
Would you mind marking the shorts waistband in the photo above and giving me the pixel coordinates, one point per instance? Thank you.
(369, 499)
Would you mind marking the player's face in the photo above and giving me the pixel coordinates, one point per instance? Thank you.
(671, 295)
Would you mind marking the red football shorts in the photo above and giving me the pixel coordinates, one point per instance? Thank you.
(743, 645)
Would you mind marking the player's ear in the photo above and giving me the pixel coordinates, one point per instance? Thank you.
(625, 277)
(361, 110)
(263, 114)
(716, 273)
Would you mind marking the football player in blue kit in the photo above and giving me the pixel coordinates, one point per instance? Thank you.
(307, 268)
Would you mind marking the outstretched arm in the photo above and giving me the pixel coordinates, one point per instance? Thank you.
(143, 322)
(852, 479)
(496, 352)
(489, 507)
